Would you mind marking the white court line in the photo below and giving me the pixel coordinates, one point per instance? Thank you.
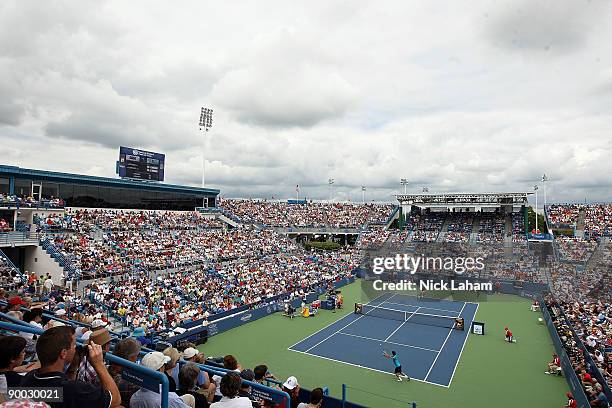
(389, 342)
(403, 323)
(325, 327)
(342, 328)
(367, 368)
(464, 342)
(443, 344)
(422, 307)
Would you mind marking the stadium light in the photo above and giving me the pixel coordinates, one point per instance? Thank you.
(206, 122)
(404, 182)
(544, 180)
(331, 182)
(535, 188)
(363, 190)
(426, 189)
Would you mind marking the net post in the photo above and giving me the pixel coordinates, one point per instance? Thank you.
(343, 395)
(414, 404)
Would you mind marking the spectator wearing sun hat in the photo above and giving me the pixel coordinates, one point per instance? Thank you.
(171, 366)
(145, 398)
(86, 372)
(98, 324)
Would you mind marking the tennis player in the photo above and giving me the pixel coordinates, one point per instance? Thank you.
(398, 366)
(509, 337)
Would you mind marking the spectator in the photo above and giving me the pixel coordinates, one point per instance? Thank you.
(86, 372)
(128, 349)
(571, 402)
(171, 366)
(229, 363)
(230, 387)
(245, 389)
(292, 387)
(145, 398)
(261, 373)
(206, 386)
(554, 367)
(56, 348)
(13, 353)
(316, 399)
(15, 303)
(188, 376)
(48, 284)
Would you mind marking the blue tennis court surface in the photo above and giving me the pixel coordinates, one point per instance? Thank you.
(428, 353)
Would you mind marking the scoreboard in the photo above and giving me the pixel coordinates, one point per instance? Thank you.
(140, 164)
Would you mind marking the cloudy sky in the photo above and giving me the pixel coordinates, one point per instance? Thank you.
(453, 95)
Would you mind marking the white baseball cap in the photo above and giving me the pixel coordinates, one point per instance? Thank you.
(60, 312)
(98, 323)
(154, 360)
(189, 352)
(291, 383)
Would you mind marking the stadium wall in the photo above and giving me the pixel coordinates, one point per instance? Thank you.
(39, 261)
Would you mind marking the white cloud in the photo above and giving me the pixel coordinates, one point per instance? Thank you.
(454, 98)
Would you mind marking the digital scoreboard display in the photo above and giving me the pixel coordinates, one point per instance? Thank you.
(140, 164)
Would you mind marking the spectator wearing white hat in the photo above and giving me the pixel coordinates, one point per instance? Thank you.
(207, 387)
(292, 387)
(145, 398)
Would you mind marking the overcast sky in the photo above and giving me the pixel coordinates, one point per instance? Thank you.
(458, 96)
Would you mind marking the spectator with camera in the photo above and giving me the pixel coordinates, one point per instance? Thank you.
(56, 348)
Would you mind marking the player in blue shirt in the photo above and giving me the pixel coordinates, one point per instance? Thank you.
(398, 365)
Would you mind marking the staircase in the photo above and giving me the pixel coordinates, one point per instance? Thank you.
(69, 268)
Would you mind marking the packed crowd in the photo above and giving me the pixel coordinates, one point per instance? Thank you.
(575, 249)
(563, 215)
(318, 215)
(598, 220)
(166, 301)
(597, 217)
(104, 242)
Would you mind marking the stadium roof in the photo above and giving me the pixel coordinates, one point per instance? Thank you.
(464, 199)
(45, 175)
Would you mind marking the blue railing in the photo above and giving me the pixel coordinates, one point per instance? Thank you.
(14, 268)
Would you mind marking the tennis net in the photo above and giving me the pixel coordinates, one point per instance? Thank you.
(411, 317)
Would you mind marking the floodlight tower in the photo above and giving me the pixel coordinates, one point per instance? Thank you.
(363, 190)
(331, 182)
(535, 189)
(206, 121)
(544, 182)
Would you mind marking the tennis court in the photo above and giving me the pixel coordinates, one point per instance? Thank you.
(419, 330)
